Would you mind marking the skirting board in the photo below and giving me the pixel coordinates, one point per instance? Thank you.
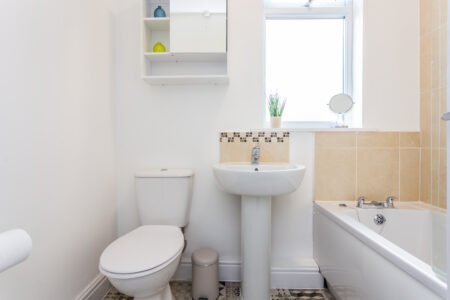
(292, 278)
(96, 290)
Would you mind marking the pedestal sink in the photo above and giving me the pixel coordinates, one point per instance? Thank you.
(257, 184)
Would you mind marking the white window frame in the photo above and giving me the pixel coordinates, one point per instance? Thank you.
(341, 12)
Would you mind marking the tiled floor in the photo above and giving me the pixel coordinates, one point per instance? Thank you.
(231, 291)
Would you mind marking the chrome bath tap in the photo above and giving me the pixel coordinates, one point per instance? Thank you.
(255, 155)
(375, 204)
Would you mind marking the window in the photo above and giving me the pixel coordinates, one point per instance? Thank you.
(308, 51)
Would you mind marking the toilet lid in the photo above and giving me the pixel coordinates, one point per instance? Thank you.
(142, 249)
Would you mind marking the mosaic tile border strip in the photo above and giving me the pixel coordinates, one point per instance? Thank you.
(231, 291)
(254, 137)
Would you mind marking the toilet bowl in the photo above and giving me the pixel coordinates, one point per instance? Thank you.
(142, 262)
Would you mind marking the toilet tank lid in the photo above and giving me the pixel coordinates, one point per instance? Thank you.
(164, 173)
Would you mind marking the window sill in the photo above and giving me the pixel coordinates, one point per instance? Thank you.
(324, 129)
(291, 129)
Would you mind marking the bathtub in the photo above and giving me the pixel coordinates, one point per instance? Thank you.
(392, 261)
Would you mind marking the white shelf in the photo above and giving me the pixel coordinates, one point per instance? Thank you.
(167, 68)
(186, 79)
(185, 57)
(157, 24)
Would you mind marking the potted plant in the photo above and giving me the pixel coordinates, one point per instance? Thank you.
(276, 108)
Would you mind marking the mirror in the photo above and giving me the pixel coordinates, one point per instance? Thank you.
(198, 26)
(341, 104)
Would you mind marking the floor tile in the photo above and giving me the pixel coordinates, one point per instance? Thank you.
(231, 291)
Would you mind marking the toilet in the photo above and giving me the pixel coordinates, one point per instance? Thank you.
(142, 262)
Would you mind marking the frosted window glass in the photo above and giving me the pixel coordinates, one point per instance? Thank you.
(305, 64)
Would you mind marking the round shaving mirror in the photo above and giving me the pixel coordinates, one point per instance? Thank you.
(341, 104)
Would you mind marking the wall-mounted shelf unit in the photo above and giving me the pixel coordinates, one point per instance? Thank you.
(186, 79)
(184, 57)
(157, 23)
(176, 67)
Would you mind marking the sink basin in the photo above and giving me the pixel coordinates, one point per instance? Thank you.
(257, 184)
(259, 180)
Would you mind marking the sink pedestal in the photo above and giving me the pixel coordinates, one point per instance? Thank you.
(255, 247)
(257, 184)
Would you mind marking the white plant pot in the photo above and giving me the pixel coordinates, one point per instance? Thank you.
(275, 122)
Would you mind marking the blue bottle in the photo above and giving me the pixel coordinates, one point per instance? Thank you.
(159, 12)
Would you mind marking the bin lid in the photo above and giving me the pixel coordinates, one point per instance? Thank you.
(205, 257)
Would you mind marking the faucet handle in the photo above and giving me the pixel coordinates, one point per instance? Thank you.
(390, 201)
(361, 201)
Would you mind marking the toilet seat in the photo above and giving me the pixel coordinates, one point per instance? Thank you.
(141, 252)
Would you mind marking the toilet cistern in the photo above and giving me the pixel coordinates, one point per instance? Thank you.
(164, 199)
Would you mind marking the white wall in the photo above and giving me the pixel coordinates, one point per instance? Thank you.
(179, 126)
(390, 64)
(56, 159)
(56, 154)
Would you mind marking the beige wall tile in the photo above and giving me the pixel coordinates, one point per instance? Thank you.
(435, 177)
(275, 152)
(435, 83)
(240, 151)
(425, 45)
(425, 72)
(378, 173)
(377, 139)
(443, 134)
(435, 13)
(442, 124)
(425, 16)
(425, 117)
(443, 56)
(235, 152)
(388, 164)
(409, 139)
(443, 11)
(335, 139)
(425, 175)
(435, 119)
(409, 174)
(335, 174)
